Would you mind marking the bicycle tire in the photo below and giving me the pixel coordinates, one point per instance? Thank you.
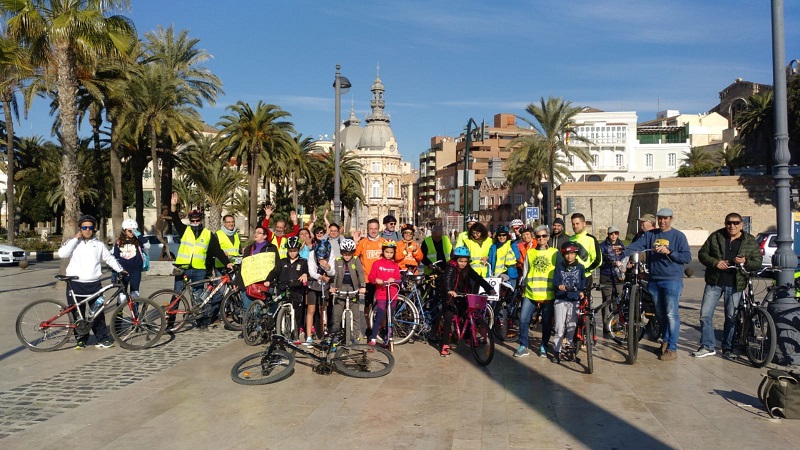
(588, 336)
(488, 317)
(363, 361)
(132, 336)
(506, 318)
(232, 310)
(482, 340)
(252, 323)
(176, 319)
(760, 337)
(34, 336)
(405, 320)
(284, 325)
(634, 326)
(258, 369)
(619, 333)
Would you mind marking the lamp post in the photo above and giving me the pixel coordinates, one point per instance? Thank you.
(341, 85)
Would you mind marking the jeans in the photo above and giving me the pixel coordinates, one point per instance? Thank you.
(711, 296)
(246, 301)
(99, 327)
(666, 295)
(526, 313)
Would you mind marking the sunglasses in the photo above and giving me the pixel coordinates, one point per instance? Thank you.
(392, 223)
(195, 221)
(541, 236)
(733, 222)
(320, 232)
(87, 228)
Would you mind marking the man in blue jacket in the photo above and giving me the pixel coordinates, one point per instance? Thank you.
(669, 252)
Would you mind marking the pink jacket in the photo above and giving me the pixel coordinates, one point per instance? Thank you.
(384, 269)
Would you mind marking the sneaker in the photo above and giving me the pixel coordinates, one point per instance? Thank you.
(80, 345)
(728, 354)
(556, 359)
(105, 343)
(445, 351)
(542, 351)
(663, 348)
(702, 352)
(669, 355)
(309, 342)
(372, 342)
(522, 351)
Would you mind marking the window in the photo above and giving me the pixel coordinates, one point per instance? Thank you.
(648, 160)
(518, 199)
(390, 190)
(671, 159)
(376, 166)
(620, 160)
(491, 200)
(619, 179)
(596, 160)
(376, 189)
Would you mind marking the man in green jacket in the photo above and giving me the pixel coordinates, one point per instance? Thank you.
(724, 249)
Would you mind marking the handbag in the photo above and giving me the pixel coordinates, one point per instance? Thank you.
(257, 291)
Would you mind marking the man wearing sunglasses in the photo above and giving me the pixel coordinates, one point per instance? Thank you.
(724, 249)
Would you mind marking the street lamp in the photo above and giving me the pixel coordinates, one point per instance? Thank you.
(341, 85)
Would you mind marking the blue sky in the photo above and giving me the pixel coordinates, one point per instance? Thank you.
(443, 62)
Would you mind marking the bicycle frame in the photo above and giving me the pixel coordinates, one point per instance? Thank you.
(188, 292)
(92, 315)
(347, 313)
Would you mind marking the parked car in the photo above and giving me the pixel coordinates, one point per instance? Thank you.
(767, 244)
(10, 254)
(153, 246)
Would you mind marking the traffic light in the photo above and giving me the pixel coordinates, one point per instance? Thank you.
(558, 205)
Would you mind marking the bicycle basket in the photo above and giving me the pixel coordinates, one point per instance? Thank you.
(476, 301)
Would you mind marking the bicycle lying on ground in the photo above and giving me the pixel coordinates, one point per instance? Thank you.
(182, 306)
(45, 325)
(276, 363)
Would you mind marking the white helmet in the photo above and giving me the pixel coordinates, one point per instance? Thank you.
(517, 223)
(472, 218)
(129, 224)
(347, 245)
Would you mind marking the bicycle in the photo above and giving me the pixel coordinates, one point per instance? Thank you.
(275, 364)
(754, 327)
(231, 308)
(426, 304)
(45, 325)
(347, 323)
(275, 314)
(585, 331)
(506, 313)
(404, 316)
(180, 306)
(480, 338)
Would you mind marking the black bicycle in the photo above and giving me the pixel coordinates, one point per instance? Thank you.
(755, 331)
(276, 363)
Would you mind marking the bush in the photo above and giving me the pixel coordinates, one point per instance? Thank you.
(38, 245)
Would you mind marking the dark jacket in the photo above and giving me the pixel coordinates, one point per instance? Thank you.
(610, 256)
(356, 273)
(713, 251)
(214, 250)
(572, 276)
(464, 281)
(556, 241)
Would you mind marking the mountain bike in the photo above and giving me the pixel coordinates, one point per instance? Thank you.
(45, 325)
(471, 326)
(275, 314)
(182, 306)
(755, 331)
(276, 363)
(507, 311)
(231, 308)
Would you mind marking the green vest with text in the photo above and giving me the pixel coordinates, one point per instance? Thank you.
(476, 252)
(192, 252)
(230, 248)
(503, 258)
(541, 265)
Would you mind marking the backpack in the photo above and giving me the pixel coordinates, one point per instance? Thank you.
(779, 391)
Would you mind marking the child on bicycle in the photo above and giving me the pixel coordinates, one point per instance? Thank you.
(569, 280)
(459, 278)
(349, 277)
(384, 271)
(292, 271)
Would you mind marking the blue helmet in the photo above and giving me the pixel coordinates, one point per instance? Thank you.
(461, 252)
(502, 229)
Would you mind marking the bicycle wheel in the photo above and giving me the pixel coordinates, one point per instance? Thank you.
(284, 325)
(506, 319)
(760, 337)
(482, 343)
(138, 324)
(488, 317)
(178, 314)
(588, 337)
(252, 323)
(405, 320)
(635, 328)
(363, 361)
(260, 369)
(231, 310)
(39, 328)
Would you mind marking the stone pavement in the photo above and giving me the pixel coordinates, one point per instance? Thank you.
(179, 394)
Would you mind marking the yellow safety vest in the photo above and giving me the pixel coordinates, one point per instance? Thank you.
(476, 252)
(283, 251)
(588, 243)
(539, 278)
(193, 252)
(461, 239)
(230, 248)
(503, 258)
(447, 247)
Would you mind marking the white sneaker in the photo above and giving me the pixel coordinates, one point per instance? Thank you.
(703, 352)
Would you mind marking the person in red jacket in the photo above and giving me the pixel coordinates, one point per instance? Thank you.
(384, 271)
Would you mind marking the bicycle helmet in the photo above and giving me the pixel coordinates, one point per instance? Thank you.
(516, 223)
(87, 218)
(196, 214)
(389, 243)
(348, 245)
(461, 252)
(502, 229)
(472, 218)
(389, 218)
(569, 247)
(407, 227)
(129, 224)
(293, 242)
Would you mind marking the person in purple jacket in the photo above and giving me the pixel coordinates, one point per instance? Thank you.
(669, 252)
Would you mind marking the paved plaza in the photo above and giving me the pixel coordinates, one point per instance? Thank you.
(180, 395)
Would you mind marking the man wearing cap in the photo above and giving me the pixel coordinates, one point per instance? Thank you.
(558, 236)
(516, 230)
(646, 223)
(670, 251)
(610, 272)
(390, 232)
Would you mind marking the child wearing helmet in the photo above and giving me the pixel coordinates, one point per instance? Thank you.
(349, 277)
(383, 272)
(409, 253)
(129, 251)
(569, 280)
(458, 278)
(291, 272)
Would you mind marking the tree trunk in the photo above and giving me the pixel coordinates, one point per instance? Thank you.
(115, 167)
(214, 221)
(253, 213)
(95, 120)
(67, 83)
(10, 194)
(156, 170)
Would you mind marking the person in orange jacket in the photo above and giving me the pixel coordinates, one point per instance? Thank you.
(409, 253)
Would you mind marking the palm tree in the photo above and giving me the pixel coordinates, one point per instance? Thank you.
(555, 123)
(529, 163)
(298, 163)
(697, 162)
(14, 69)
(755, 125)
(64, 33)
(255, 137)
(317, 189)
(731, 157)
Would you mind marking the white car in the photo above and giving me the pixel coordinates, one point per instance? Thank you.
(11, 255)
(153, 246)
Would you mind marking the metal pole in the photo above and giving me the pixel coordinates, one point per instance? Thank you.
(784, 256)
(337, 203)
(466, 170)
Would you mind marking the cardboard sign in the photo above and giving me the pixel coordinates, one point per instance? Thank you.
(255, 268)
(495, 283)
